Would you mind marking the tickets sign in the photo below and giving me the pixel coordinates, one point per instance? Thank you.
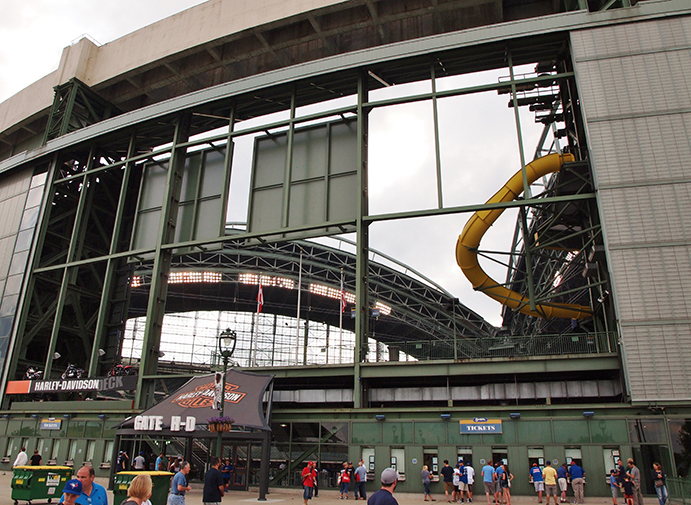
(481, 425)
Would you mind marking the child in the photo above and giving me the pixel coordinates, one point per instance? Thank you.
(71, 491)
(627, 487)
(614, 485)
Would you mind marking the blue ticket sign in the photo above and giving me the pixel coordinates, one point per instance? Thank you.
(50, 424)
(480, 425)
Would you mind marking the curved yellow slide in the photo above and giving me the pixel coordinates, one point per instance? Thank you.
(479, 223)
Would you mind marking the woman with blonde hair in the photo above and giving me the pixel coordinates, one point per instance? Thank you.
(425, 482)
(139, 491)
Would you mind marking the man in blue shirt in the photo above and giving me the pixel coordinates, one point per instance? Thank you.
(389, 479)
(179, 486)
(577, 476)
(92, 492)
(488, 478)
(538, 481)
(562, 475)
(463, 482)
(498, 471)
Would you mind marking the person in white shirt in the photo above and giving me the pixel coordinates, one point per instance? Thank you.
(470, 471)
(22, 458)
(139, 462)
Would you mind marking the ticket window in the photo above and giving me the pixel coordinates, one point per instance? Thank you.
(465, 454)
(398, 461)
(500, 455)
(536, 455)
(610, 457)
(430, 457)
(573, 455)
(368, 458)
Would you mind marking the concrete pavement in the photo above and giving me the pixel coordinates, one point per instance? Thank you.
(294, 496)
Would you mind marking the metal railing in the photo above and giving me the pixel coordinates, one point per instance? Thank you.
(505, 347)
(679, 491)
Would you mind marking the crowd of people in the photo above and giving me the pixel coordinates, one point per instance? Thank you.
(457, 480)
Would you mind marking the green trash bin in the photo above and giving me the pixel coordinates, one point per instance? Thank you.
(161, 481)
(39, 483)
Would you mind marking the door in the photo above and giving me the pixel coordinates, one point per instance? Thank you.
(239, 476)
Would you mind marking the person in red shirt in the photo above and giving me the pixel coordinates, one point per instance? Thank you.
(309, 474)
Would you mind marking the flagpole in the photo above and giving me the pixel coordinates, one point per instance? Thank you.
(297, 326)
(340, 320)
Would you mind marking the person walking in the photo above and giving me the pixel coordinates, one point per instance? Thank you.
(426, 482)
(344, 482)
(635, 475)
(21, 458)
(308, 476)
(360, 480)
(577, 482)
(140, 490)
(389, 480)
(214, 487)
(660, 482)
(488, 477)
(179, 485)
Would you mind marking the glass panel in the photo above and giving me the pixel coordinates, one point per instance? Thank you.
(398, 460)
(18, 262)
(108, 451)
(335, 433)
(613, 431)
(646, 431)
(92, 429)
(23, 242)
(280, 432)
(430, 457)
(366, 433)
(570, 432)
(398, 433)
(90, 448)
(306, 432)
(75, 428)
(109, 428)
(72, 451)
(430, 433)
(680, 431)
(34, 197)
(55, 449)
(534, 432)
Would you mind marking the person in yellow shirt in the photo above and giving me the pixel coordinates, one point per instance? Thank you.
(550, 476)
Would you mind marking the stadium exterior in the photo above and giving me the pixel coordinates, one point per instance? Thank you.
(117, 173)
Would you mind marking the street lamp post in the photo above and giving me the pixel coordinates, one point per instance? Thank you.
(226, 346)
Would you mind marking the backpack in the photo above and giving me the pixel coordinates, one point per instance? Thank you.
(345, 477)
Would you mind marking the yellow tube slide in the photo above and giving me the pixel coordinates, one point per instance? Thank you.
(479, 223)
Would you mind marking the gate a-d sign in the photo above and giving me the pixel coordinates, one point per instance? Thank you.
(156, 423)
(481, 425)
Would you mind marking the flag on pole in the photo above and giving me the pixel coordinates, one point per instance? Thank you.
(260, 297)
(344, 304)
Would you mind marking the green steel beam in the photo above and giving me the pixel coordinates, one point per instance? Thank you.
(159, 286)
(362, 312)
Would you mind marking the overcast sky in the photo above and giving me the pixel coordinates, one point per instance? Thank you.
(33, 33)
(478, 137)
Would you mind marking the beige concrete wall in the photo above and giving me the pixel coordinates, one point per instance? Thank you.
(195, 26)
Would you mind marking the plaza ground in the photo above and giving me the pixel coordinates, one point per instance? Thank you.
(294, 496)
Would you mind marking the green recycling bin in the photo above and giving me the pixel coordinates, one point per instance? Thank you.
(161, 481)
(39, 483)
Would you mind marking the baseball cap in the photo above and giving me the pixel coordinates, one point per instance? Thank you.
(73, 486)
(389, 476)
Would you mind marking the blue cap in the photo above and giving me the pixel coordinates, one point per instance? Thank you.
(73, 486)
